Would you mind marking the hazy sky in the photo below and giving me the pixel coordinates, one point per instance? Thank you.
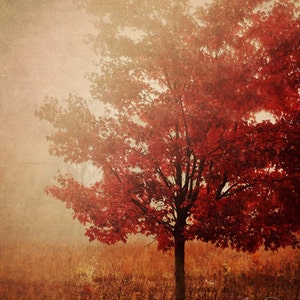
(42, 53)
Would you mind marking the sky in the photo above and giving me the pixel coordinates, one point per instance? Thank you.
(42, 53)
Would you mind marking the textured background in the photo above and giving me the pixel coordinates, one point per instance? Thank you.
(42, 53)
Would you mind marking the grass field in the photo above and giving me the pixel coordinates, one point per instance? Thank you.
(138, 271)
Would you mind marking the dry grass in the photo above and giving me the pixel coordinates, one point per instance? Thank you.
(136, 271)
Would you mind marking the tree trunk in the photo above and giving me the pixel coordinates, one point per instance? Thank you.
(179, 269)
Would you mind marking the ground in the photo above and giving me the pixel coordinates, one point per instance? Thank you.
(138, 271)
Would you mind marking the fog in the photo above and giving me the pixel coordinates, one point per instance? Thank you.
(42, 53)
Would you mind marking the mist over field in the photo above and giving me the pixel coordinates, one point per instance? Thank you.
(171, 191)
(42, 53)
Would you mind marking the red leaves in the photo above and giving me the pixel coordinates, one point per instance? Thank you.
(178, 151)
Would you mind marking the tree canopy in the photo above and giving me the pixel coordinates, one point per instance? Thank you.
(183, 86)
(182, 152)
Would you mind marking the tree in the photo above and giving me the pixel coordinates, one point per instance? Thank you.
(181, 154)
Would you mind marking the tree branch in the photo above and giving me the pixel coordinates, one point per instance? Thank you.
(145, 211)
(140, 205)
(241, 188)
(165, 179)
(194, 192)
(221, 186)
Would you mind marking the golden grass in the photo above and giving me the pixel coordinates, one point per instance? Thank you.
(138, 271)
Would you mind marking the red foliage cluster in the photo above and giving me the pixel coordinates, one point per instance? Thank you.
(181, 154)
